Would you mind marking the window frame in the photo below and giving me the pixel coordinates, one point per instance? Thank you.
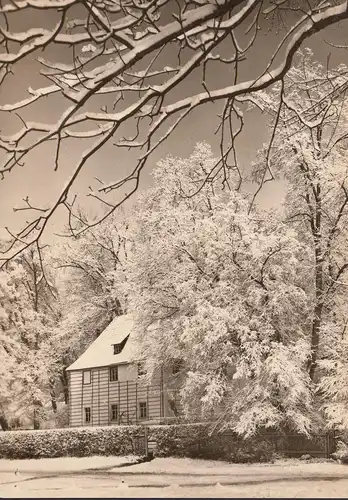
(87, 411)
(113, 407)
(142, 406)
(117, 349)
(113, 369)
(83, 377)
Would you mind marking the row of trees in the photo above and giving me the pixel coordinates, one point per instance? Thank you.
(29, 313)
(254, 301)
(250, 302)
(54, 303)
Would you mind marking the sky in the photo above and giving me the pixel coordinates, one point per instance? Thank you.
(37, 178)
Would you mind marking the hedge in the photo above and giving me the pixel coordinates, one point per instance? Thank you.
(191, 440)
(74, 442)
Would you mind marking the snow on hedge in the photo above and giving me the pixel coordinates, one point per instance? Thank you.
(192, 440)
(78, 442)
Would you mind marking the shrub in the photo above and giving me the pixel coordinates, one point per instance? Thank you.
(190, 440)
(78, 442)
(341, 452)
(178, 440)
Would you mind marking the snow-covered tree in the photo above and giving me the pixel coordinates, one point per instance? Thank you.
(90, 270)
(309, 150)
(334, 382)
(28, 316)
(114, 84)
(7, 372)
(222, 290)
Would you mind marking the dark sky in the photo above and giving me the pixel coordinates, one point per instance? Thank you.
(38, 180)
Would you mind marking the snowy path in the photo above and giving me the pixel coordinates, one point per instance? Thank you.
(171, 478)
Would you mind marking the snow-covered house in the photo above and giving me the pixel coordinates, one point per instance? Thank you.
(105, 386)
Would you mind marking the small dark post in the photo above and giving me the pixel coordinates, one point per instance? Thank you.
(146, 440)
(119, 404)
(328, 444)
(147, 403)
(127, 405)
(330, 447)
(136, 403)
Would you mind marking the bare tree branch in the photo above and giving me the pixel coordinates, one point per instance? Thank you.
(117, 52)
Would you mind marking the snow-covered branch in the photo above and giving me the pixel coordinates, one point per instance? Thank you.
(117, 52)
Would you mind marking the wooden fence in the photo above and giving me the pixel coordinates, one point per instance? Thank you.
(286, 444)
(319, 446)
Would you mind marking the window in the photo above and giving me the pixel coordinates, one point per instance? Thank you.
(113, 374)
(87, 415)
(142, 410)
(114, 412)
(141, 369)
(117, 348)
(86, 377)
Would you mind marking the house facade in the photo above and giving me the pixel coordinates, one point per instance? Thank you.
(106, 386)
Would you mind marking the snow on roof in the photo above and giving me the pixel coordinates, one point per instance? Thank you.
(101, 352)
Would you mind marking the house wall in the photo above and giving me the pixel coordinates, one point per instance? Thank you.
(101, 393)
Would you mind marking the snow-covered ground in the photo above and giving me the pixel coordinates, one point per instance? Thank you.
(208, 467)
(60, 464)
(87, 488)
(73, 477)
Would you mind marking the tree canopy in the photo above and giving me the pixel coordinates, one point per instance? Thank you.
(223, 289)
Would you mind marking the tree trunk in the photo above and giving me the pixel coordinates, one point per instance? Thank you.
(54, 402)
(64, 381)
(315, 338)
(319, 284)
(4, 423)
(36, 420)
(53, 395)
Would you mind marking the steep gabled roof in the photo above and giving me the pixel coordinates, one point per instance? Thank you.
(101, 351)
